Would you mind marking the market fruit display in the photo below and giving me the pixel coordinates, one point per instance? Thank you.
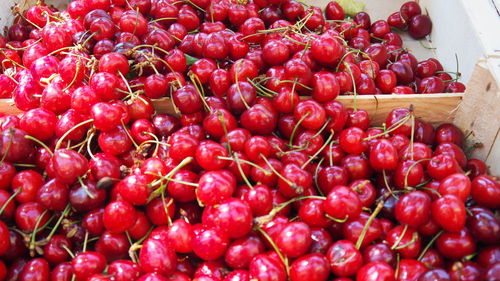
(257, 173)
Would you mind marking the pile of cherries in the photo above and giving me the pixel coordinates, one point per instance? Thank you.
(247, 180)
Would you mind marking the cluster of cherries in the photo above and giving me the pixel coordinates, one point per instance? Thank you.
(247, 180)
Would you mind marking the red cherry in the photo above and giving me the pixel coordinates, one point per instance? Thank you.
(449, 212)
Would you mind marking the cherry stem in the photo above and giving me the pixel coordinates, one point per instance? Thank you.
(70, 253)
(266, 218)
(199, 90)
(247, 182)
(337, 220)
(377, 210)
(316, 172)
(355, 90)
(387, 185)
(246, 162)
(223, 123)
(165, 207)
(10, 199)
(278, 174)
(85, 241)
(396, 125)
(56, 226)
(319, 150)
(296, 82)
(128, 135)
(59, 142)
(292, 135)
(9, 144)
(283, 258)
(411, 167)
(172, 172)
(413, 240)
(40, 143)
(395, 245)
(157, 142)
(85, 188)
(35, 231)
(238, 86)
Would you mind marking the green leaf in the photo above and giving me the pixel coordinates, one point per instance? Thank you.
(351, 7)
(189, 59)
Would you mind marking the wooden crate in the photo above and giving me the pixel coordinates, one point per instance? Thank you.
(461, 29)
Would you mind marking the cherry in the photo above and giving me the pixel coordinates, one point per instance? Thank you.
(466, 271)
(294, 239)
(157, 257)
(160, 211)
(210, 243)
(68, 165)
(119, 216)
(231, 216)
(63, 271)
(294, 181)
(404, 240)
(352, 140)
(442, 165)
(54, 251)
(345, 260)
(483, 225)
(123, 270)
(36, 269)
(88, 263)
(455, 245)
(241, 252)
(14, 146)
(449, 212)
(53, 195)
(263, 267)
(342, 203)
(419, 26)
(31, 215)
(379, 252)
(410, 269)
(312, 266)
(86, 197)
(326, 50)
(215, 186)
(375, 271)
(486, 191)
(352, 229)
(383, 155)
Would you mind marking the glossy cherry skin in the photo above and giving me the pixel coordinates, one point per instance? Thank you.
(449, 212)
(241, 252)
(294, 239)
(413, 209)
(263, 267)
(419, 26)
(379, 252)
(35, 270)
(88, 263)
(342, 203)
(483, 225)
(375, 271)
(157, 257)
(210, 244)
(119, 216)
(406, 243)
(232, 216)
(62, 272)
(124, 270)
(486, 191)
(30, 215)
(410, 269)
(215, 186)
(455, 245)
(344, 259)
(310, 267)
